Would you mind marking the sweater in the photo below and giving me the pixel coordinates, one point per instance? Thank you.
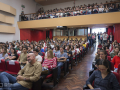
(116, 61)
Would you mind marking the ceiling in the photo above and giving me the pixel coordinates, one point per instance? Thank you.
(49, 2)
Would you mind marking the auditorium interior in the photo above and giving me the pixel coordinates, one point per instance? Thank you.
(59, 44)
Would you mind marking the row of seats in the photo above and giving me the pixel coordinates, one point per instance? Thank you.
(13, 67)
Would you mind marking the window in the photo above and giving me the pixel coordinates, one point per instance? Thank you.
(71, 32)
(86, 31)
(56, 32)
(80, 32)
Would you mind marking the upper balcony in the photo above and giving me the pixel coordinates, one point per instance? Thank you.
(101, 19)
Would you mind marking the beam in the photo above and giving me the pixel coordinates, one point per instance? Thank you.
(7, 29)
(7, 8)
(6, 19)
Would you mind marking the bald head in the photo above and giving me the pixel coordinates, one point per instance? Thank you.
(31, 54)
(31, 58)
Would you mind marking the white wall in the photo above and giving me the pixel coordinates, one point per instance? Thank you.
(71, 4)
(30, 7)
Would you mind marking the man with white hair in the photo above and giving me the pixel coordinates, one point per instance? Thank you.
(30, 73)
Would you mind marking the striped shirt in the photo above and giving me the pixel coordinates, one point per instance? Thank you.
(52, 63)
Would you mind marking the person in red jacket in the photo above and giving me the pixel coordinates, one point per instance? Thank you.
(116, 60)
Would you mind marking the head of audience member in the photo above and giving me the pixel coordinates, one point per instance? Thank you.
(57, 48)
(99, 43)
(13, 51)
(39, 48)
(119, 54)
(32, 46)
(116, 44)
(103, 67)
(103, 55)
(4, 51)
(29, 49)
(35, 51)
(31, 58)
(17, 44)
(50, 54)
(98, 51)
(48, 48)
(28, 44)
(25, 49)
(107, 48)
(72, 47)
(116, 50)
(12, 45)
(68, 47)
(21, 48)
(61, 50)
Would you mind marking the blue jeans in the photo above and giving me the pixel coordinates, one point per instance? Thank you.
(59, 64)
(6, 79)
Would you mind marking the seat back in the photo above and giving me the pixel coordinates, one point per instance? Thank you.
(118, 71)
(117, 76)
(2, 65)
(42, 59)
(112, 66)
(18, 55)
(13, 67)
(43, 54)
(109, 58)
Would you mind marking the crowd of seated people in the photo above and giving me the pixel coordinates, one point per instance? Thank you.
(106, 62)
(75, 11)
(38, 59)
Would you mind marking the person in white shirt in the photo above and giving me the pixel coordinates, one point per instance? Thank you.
(105, 36)
(101, 9)
(38, 57)
(52, 45)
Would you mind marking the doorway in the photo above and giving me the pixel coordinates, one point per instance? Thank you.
(98, 30)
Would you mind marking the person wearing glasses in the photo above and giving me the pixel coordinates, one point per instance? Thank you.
(103, 78)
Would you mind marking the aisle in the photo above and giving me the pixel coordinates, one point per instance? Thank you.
(77, 77)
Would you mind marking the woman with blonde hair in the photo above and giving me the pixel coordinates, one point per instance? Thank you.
(49, 63)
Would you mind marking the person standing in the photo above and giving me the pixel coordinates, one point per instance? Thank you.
(90, 40)
(105, 36)
(111, 38)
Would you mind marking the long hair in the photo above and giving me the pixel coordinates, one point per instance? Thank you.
(105, 52)
(51, 54)
(5, 51)
(116, 53)
(106, 64)
(14, 51)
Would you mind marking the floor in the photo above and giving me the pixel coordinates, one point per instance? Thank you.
(77, 77)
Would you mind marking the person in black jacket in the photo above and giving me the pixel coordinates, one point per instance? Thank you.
(111, 38)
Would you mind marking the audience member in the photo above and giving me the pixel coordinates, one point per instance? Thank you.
(30, 73)
(13, 55)
(23, 57)
(3, 54)
(61, 58)
(38, 57)
(103, 78)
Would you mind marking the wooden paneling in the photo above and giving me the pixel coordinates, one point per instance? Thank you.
(6, 19)
(7, 8)
(7, 29)
(73, 37)
(93, 19)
